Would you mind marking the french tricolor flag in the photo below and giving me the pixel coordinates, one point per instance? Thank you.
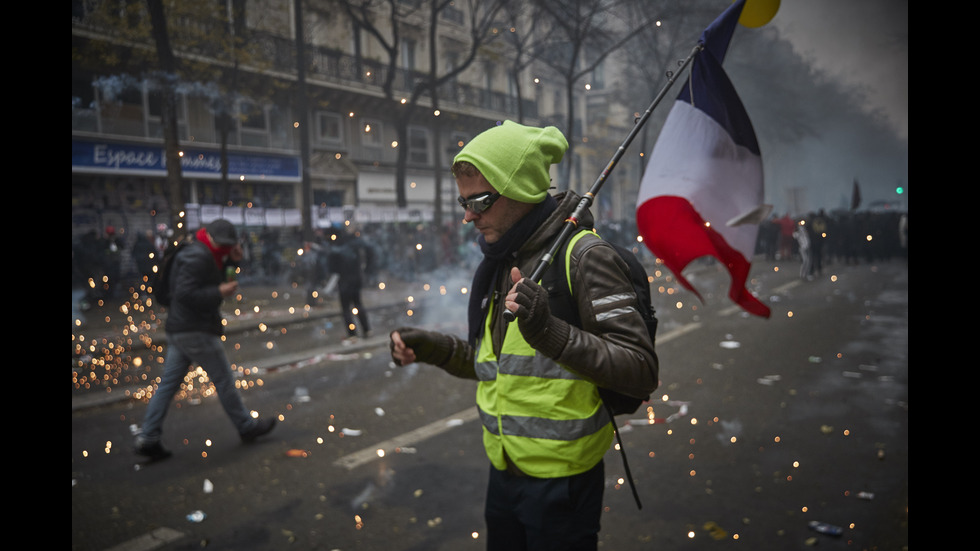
(702, 192)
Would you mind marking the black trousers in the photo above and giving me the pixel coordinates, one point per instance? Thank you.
(350, 300)
(544, 514)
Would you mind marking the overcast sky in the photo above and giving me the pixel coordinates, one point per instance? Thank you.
(863, 43)
(863, 46)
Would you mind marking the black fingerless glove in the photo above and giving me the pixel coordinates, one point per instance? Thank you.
(532, 312)
(430, 347)
(540, 329)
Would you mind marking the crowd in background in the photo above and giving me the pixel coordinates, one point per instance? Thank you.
(820, 238)
(112, 263)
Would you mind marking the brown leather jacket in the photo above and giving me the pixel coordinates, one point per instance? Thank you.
(612, 351)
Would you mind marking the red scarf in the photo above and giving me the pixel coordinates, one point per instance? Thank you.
(218, 251)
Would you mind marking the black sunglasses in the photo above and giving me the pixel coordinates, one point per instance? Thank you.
(478, 203)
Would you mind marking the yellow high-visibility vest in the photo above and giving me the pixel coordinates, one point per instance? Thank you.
(548, 421)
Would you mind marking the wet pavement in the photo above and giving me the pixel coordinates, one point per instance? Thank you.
(760, 428)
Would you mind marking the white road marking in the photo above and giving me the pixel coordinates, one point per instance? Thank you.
(153, 540)
(407, 439)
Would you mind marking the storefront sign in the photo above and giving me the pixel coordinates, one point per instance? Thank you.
(103, 157)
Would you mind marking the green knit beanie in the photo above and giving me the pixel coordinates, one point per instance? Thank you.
(515, 159)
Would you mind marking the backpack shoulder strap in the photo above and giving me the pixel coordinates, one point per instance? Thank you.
(559, 286)
(558, 283)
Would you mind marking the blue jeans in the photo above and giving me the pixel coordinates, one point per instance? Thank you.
(202, 349)
(544, 514)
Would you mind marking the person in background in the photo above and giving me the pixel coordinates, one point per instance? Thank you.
(348, 257)
(198, 285)
(144, 255)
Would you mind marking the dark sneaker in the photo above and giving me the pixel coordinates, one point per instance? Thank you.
(262, 426)
(154, 451)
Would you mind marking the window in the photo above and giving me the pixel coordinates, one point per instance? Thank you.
(253, 124)
(84, 114)
(371, 133)
(418, 145)
(122, 110)
(408, 54)
(488, 69)
(329, 128)
(154, 118)
(456, 142)
(452, 13)
(599, 76)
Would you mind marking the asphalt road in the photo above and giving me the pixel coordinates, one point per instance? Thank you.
(763, 426)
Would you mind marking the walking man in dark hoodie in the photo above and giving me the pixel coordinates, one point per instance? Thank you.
(197, 287)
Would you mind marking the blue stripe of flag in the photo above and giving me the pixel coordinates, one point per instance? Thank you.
(710, 87)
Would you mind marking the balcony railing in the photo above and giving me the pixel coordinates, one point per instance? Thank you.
(334, 66)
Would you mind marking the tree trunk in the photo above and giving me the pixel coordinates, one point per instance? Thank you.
(171, 139)
(306, 194)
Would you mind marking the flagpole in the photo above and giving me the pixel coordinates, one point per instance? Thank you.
(571, 223)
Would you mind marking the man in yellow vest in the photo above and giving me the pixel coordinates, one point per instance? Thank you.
(544, 426)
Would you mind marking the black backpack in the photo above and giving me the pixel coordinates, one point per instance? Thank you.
(161, 283)
(555, 281)
(562, 306)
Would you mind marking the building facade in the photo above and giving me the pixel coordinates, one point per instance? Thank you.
(244, 156)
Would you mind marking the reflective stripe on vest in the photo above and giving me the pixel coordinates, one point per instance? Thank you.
(548, 421)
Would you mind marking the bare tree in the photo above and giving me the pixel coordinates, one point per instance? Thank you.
(583, 34)
(177, 47)
(525, 41)
(167, 80)
(385, 21)
(655, 54)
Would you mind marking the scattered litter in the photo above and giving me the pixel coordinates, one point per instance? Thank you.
(730, 430)
(826, 429)
(454, 423)
(769, 380)
(417, 493)
(350, 432)
(654, 421)
(853, 375)
(302, 394)
(730, 344)
(715, 531)
(297, 453)
(866, 495)
(208, 487)
(815, 359)
(342, 357)
(405, 450)
(434, 522)
(824, 528)
(681, 412)
(379, 412)
(196, 516)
